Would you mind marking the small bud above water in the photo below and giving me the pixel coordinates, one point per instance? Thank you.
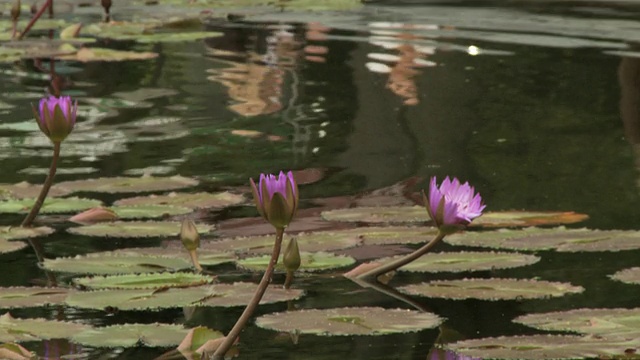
(291, 257)
(189, 235)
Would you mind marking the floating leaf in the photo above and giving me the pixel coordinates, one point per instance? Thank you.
(11, 246)
(94, 215)
(310, 242)
(542, 347)
(491, 289)
(559, 239)
(148, 211)
(390, 214)
(349, 321)
(50, 206)
(205, 257)
(144, 281)
(19, 232)
(175, 36)
(194, 201)
(619, 323)
(86, 54)
(394, 234)
(130, 335)
(527, 218)
(12, 351)
(121, 262)
(198, 341)
(21, 297)
(225, 295)
(130, 184)
(135, 229)
(317, 261)
(25, 190)
(468, 261)
(628, 276)
(17, 330)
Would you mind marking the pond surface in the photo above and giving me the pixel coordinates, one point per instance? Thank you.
(535, 104)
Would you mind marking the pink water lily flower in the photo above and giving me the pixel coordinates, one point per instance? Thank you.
(56, 116)
(452, 205)
(276, 198)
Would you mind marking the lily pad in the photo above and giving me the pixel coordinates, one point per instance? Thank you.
(115, 185)
(17, 330)
(22, 297)
(310, 262)
(175, 36)
(395, 234)
(144, 281)
(50, 206)
(205, 257)
(559, 239)
(618, 323)
(19, 232)
(87, 54)
(527, 218)
(130, 335)
(628, 276)
(349, 321)
(135, 229)
(491, 289)
(104, 263)
(542, 347)
(310, 242)
(11, 246)
(223, 295)
(468, 261)
(148, 211)
(26, 190)
(199, 200)
(390, 214)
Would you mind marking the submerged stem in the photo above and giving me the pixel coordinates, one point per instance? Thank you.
(253, 304)
(372, 275)
(45, 187)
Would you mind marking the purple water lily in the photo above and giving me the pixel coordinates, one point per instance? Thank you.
(276, 198)
(56, 116)
(453, 205)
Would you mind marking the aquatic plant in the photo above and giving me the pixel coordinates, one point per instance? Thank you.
(276, 199)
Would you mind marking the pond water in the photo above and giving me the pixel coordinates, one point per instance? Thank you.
(535, 104)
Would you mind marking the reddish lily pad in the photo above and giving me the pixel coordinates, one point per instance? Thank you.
(200, 200)
(130, 184)
(130, 335)
(349, 321)
(468, 261)
(628, 276)
(22, 297)
(135, 229)
(144, 281)
(491, 289)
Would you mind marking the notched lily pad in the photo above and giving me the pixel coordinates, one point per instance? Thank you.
(527, 218)
(135, 229)
(349, 321)
(468, 261)
(125, 262)
(542, 347)
(390, 214)
(310, 242)
(177, 251)
(130, 335)
(50, 206)
(491, 289)
(144, 281)
(7, 246)
(148, 211)
(87, 54)
(628, 276)
(25, 190)
(22, 297)
(17, 330)
(199, 200)
(310, 262)
(618, 323)
(130, 184)
(395, 234)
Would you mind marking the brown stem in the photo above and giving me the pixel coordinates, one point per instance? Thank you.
(194, 259)
(372, 275)
(45, 187)
(253, 304)
(289, 279)
(14, 29)
(51, 9)
(35, 18)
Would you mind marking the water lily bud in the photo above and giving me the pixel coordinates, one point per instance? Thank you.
(56, 117)
(189, 235)
(276, 198)
(452, 206)
(15, 11)
(291, 256)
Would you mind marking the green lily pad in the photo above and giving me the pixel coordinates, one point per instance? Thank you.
(310, 262)
(390, 214)
(130, 184)
(395, 234)
(175, 36)
(87, 54)
(117, 103)
(468, 261)
(542, 347)
(25, 190)
(310, 242)
(219, 295)
(618, 323)
(491, 289)
(50, 206)
(349, 321)
(22, 297)
(177, 251)
(628, 276)
(150, 170)
(11, 246)
(527, 218)
(19, 232)
(130, 335)
(143, 281)
(148, 211)
(135, 229)
(59, 171)
(199, 200)
(559, 239)
(17, 330)
(104, 263)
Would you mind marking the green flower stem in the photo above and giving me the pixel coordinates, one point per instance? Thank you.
(194, 259)
(35, 18)
(253, 304)
(289, 279)
(373, 274)
(45, 187)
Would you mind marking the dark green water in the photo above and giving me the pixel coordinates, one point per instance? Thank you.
(542, 118)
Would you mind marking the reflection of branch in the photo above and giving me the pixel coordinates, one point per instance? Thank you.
(390, 291)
